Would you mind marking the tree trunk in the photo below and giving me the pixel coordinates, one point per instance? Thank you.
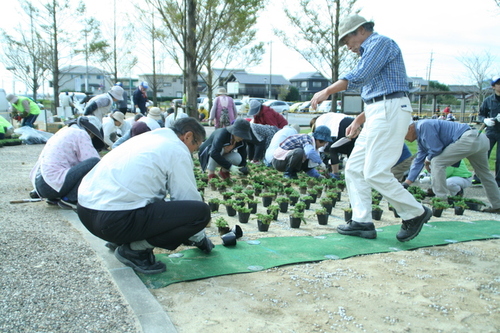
(191, 71)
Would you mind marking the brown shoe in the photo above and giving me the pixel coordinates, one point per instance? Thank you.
(491, 210)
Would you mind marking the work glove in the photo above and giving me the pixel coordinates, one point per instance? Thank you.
(235, 170)
(498, 117)
(322, 166)
(489, 122)
(406, 185)
(209, 123)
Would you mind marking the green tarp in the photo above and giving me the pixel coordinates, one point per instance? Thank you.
(264, 253)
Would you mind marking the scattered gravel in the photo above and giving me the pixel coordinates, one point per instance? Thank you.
(50, 278)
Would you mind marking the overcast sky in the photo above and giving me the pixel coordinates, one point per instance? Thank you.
(441, 29)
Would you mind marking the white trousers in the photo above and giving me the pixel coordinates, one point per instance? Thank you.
(376, 151)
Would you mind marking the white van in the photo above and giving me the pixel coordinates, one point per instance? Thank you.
(4, 105)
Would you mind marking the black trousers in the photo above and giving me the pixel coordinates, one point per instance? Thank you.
(165, 224)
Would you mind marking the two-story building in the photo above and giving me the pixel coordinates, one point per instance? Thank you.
(85, 79)
(309, 83)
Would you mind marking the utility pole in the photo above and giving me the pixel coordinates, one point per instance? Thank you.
(430, 67)
(270, 68)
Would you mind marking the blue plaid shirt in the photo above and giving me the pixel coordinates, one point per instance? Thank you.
(305, 142)
(380, 70)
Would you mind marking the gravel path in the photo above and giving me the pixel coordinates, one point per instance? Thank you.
(51, 280)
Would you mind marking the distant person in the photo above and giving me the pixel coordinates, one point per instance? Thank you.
(156, 114)
(265, 115)
(170, 118)
(140, 97)
(278, 138)
(67, 102)
(381, 75)
(489, 114)
(114, 127)
(102, 104)
(123, 104)
(223, 112)
(24, 108)
(6, 128)
(299, 152)
(443, 143)
(141, 125)
(261, 139)
(337, 123)
(143, 195)
(226, 147)
(66, 158)
(458, 178)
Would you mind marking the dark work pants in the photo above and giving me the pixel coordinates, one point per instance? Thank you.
(292, 162)
(71, 182)
(164, 224)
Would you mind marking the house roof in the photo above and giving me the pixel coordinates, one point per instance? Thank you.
(82, 70)
(307, 76)
(246, 78)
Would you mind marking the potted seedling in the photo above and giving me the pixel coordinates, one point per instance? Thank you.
(222, 225)
(438, 205)
(296, 217)
(303, 187)
(214, 203)
(252, 204)
(347, 214)
(267, 198)
(263, 221)
(257, 188)
(307, 199)
(230, 204)
(249, 193)
(322, 216)
(283, 203)
(334, 195)
(474, 204)
(327, 204)
(227, 195)
(243, 214)
(460, 206)
(294, 197)
(214, 183)
(273, 210)
(300, 206)
(376, 212)
(319, 190)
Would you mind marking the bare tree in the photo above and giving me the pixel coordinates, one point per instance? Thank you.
(24, 53)
(479, 68)
(314, 35)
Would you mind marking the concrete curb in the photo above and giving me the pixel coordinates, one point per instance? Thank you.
(150, 314)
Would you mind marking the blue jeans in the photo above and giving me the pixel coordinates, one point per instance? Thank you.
(29, 120)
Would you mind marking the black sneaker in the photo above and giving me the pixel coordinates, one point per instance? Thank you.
(143, 261)
(205, 245)
(112, 246)
(411, 228)
(360, 229)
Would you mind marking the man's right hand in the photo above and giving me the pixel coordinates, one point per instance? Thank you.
(235, 170)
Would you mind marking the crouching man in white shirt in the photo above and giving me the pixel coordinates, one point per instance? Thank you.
(156, 207)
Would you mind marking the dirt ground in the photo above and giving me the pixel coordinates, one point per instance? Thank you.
(453, 288)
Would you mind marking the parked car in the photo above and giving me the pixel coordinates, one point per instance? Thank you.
(278, 106)
(304, 107)
(295, 106)
(325, 106)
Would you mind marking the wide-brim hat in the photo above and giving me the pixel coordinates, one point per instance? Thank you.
(350, 24)
(94, 126)
(255, 106)
(118, 116)
(323, 133)
(155, 113)
(221, 91)
(12, 98)
(241, 128)
(117, 93)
